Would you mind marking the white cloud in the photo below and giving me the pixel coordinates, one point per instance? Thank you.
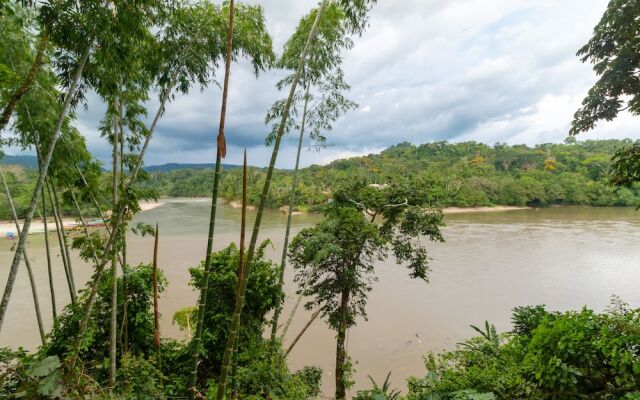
(485, 70)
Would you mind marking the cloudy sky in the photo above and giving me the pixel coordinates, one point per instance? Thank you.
(425, 70)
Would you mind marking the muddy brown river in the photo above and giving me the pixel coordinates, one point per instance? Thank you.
(491, 262)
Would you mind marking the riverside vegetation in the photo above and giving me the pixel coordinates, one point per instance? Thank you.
(106, 343)
(467, 174)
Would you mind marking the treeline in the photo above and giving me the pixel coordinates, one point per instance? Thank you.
(444, 174)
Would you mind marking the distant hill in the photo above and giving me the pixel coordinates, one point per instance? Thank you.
(174, 166)
(30, 162)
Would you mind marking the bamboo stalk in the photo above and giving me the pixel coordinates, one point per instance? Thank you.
(235, 321)
(292, 201)
(93, 290)
(48, 251)
(240, 272)
(63, 256)
(234, 372)
(113, 325)
(156, 312)
(63, 232)
(304, 329)
(123, 257)
(27, 262)
(97, 205)
(84, 225)
(221, 151)
(13, 270)
(287, 324)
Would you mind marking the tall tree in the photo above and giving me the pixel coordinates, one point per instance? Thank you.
(320, 97)
(356, 11)
(242, 28)
(614, 51)
(78, 29)
(336, 259)
(27, 262)
(221, 152)
(188, 52)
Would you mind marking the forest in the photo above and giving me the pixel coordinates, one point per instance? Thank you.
(464, 174)
(106, 343)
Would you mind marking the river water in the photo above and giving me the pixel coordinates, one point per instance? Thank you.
(491, 262)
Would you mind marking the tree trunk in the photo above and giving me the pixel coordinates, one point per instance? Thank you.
(26, 84)
(63, 256)
(36, 194)
(48, 251)
(304, 329)
(93, 197)
(221, 152)
(63, 232)
(240, 273)
(341, 353)
(156, 312)
(73, 356)
(125, 307)
(84, 225)
(235, 321)
(241, 279)
(292, 202)
(113, 327)
(98, 209)
(32, 282)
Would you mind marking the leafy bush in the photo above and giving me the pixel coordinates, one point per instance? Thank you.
(571, 355)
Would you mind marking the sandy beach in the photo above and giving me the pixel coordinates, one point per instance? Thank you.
(37, 226)
(462, 210)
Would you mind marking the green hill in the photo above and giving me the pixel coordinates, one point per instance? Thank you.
(444, 174)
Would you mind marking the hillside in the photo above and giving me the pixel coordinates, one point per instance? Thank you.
(30, 162)
(177, 166)
(444, 174)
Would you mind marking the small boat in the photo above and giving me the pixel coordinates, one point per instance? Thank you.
(10, 235)
(95, 223)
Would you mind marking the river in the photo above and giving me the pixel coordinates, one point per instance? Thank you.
(565, 258)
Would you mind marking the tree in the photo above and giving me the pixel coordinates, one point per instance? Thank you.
(79, 30)
(356, 11)
(614, 50)
(261, 299)
(335, 260)
(322, 83)
(244, 25)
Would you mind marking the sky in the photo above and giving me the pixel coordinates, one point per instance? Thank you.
(424, 70)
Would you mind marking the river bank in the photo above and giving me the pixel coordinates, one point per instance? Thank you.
(8, 228)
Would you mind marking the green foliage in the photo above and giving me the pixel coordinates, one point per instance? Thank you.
(96, 341)
(139, 379)
(571, 355)
(259, 367)
(441, 175)
(261, 297)
(614, 51)
(383, 392)
(311, 377)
